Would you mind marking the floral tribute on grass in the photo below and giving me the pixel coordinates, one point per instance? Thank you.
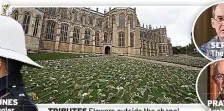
(181, 59)
(109, 80)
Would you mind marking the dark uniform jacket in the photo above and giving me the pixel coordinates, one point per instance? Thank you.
(11, 89)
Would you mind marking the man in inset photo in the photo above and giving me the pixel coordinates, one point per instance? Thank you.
(218, 78)
(13, 55)
(210, 85)
(214, 48)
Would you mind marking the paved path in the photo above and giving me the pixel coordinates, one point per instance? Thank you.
(167, 63)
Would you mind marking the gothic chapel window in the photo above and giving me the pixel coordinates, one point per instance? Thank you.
(36, 25)
(105, 37)
(75, 17)
(131, 20)
(76, 35)
(122, 20)
(87, 36)
(16, 14)
(121, 40)
(99, 22)
(90, 20)
(26, 22)
(50, 30)
(64, 32)
(52, 11)
(64, 13)
(97, 39)
(131, 39)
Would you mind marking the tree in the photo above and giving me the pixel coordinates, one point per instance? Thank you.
(176, 50)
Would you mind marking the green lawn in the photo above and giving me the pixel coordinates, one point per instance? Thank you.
(196, 54)
(181, 59)
(54, 56)
(109, 80)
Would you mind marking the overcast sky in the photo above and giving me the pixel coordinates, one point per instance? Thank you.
(177, 19)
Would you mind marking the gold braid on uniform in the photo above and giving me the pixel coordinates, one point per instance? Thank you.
(6, 94)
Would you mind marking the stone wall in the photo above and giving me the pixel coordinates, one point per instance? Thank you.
(99, 50)
(32, 43)
(88, 19)
(88, 49)
(48, 45)
(63, 47)
(76, 48)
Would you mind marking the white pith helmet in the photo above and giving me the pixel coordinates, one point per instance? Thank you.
(12, 41)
